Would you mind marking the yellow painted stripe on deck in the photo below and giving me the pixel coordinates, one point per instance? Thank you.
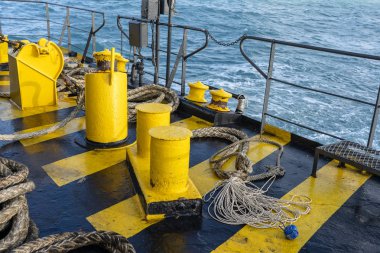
(73, 126)
(78, 166)
(122, 217)
(4, 83)
(9, 111)
(126, 218)
(192, 123)
(333, 187)
(75, 167)
(4, 73)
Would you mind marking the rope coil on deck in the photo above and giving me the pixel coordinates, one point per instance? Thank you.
(236, 200)
(19, 234)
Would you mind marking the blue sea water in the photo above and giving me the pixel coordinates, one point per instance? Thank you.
(340, 24)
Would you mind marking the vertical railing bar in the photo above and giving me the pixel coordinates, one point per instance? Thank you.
(121, 43)
(157, 66)
(47, 20)
(267, 87)
(68, 29)
(375, 119)
(94, 34)
(169, 43)
(63, 31)
(184, 63)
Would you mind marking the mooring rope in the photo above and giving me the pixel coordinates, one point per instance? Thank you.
(236, 200)
(19, 233)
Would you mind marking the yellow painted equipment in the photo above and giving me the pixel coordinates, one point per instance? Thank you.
(169, 159)
(4, 51)
(149, 115)
(197, 92)
(34, 71)
(219, 100)
(166, 189)
(121, 63)
(106, 102)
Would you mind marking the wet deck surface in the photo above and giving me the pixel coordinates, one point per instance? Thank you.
(78, 189)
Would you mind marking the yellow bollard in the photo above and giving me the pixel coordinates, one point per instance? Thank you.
(106, 102)
(219, 100)
(149, 115)
(4, 51)
(121, 63)
(197, 92)
(169, 159)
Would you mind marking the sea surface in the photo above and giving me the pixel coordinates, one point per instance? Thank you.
(339, 24)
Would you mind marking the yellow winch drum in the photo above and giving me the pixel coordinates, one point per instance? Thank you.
(34, 71)
(106, 102)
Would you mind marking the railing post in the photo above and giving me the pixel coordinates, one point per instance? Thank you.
(267, 87)
(169, 45)
(375, 119)
(93, 35)
(47, 20)
(184, 63)
(68, 29)
(157, 61)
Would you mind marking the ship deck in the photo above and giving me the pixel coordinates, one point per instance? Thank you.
(79, 189)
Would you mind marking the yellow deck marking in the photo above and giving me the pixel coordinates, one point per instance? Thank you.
(333, 187)
(75, 167)
(126, 218)
(9, 111)
(73, 126)
(192, 123)
(118, 217)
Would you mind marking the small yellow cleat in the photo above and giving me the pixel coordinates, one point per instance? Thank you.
(197, 92)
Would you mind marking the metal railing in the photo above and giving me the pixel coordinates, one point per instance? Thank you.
(181, 57)
(269, 78)
(66, 25)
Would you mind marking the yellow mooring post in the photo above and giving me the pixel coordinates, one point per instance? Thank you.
(149, 115)
(197, 92)
(166, 189)
(169, 159)
(34, 71)
(219, 100)
(106, 103)
(4, 51)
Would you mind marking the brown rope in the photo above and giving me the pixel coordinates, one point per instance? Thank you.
(21, 233)
(238, 149)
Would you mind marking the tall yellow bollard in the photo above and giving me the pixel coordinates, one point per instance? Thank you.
(106, 102)
(149, 115)
(169, 159)
(4, 51)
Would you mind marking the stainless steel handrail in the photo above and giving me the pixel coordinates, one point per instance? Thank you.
(185, 56)
(269, 77)
(66, 25)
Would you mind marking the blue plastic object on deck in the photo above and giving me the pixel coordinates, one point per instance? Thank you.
(291, 232)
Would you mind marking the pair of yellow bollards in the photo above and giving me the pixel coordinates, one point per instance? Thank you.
(219, 98)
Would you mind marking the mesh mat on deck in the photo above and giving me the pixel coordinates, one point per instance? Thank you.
(355, 152)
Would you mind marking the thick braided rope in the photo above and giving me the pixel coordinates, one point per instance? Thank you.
(66, 242)
(14, 213)
(21, 232)
(238, 149)
(72, 115)
(150, 94)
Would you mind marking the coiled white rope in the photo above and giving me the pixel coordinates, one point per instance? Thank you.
(236, 200)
